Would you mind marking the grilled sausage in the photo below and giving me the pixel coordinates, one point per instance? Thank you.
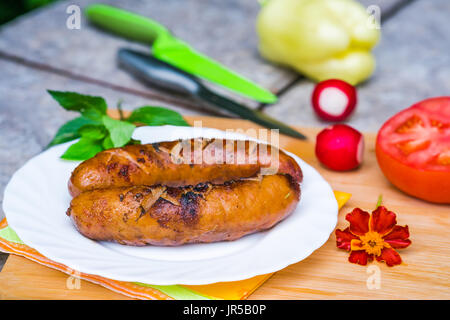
(176, 164)
(169, 216)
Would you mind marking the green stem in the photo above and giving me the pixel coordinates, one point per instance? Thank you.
(119, 109)
(380, 201)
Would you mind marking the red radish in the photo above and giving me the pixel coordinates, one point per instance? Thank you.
(334, 100)
(340, 147)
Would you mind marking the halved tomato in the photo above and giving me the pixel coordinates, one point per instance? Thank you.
(413, 150)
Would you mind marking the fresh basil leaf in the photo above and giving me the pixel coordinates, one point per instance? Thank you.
(119, 131)
(83, 150)
(93, 132)
(156, 116)
(89, 106)
(69, 131)
(107, 143)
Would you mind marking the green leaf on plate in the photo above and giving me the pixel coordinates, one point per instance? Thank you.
(89, 106)
(119, 131)
(93, 132)
(83, 149)
(69, 131)
(107, 143)
(156, 116)
(97, 130)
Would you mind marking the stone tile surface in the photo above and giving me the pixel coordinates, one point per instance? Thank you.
(223, 30)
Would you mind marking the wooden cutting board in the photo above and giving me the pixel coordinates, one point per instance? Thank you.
(326, 274)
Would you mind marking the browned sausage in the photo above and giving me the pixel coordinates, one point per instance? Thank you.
(154, 164)
(170, 216)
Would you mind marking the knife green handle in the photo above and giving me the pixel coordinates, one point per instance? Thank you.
(124, 23)
(173, 51)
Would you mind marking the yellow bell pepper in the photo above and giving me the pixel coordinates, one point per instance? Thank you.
(322, 39)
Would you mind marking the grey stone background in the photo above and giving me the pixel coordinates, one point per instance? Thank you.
(38, 52)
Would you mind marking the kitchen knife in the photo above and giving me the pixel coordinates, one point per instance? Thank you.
(165, 76)
(168, 48)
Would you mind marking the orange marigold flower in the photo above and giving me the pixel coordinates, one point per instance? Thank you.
(373, 235)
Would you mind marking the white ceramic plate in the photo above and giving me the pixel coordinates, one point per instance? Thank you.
(36, 199)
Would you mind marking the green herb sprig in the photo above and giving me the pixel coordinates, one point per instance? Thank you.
(97, 131)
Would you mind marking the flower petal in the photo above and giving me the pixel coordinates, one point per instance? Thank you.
(398, 232)
(343, 238)
(398, 238)
(390, 256)
(399, 243)
(359, 221)
(356, 245)
(360, 257)
(382, 220)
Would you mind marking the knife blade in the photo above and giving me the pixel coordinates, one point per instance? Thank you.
(174, 51)
(165, 76)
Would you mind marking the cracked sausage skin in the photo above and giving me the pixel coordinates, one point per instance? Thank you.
(170, 216)
(153, 164)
